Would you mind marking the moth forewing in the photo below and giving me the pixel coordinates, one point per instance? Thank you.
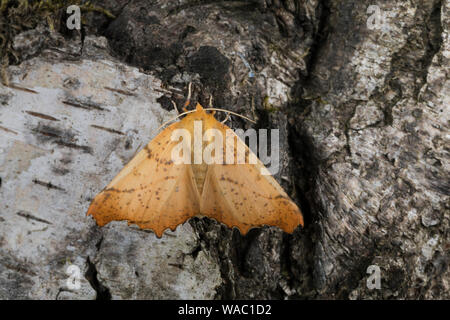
(182, 173)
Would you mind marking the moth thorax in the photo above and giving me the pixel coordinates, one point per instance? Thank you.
(199, 171)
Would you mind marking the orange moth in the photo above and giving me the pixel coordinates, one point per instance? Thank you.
(156, 191)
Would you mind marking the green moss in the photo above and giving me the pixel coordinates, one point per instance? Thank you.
(17, 16)
(268, 106)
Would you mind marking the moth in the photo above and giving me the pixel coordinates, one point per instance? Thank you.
(157, 192)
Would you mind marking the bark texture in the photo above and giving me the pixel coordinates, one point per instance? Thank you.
(362, 105)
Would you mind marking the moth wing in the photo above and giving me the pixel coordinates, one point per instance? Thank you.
(239, 195)
(150, 191)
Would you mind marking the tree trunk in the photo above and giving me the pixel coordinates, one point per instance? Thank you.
(359, 92)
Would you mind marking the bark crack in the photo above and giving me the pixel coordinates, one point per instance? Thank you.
(91, 275)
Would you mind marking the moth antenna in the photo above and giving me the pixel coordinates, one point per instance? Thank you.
(234, 113)
(215, 109)
(188, 99)
(173, 119)
(137, 149)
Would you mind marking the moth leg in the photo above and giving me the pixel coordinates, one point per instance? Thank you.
(188, 99)
(175, 106)
(210, 101)
(226, 119)
(213, 112)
